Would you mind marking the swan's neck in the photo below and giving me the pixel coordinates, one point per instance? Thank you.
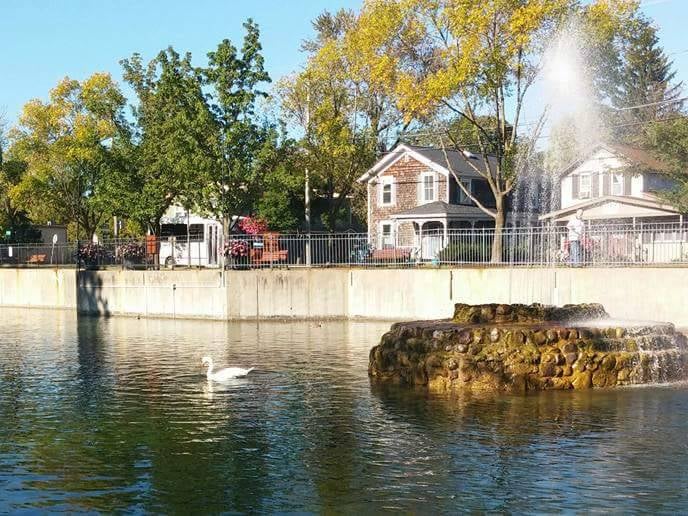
(210, 369)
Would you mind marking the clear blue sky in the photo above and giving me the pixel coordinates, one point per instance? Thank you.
(44, 40)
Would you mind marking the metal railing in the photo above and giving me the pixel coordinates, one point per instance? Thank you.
(609, 245)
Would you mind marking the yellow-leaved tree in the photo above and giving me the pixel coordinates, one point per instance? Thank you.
(463, 60)
(67, 146)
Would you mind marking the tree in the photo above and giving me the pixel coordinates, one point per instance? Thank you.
(12, 217)
(346, 116)
(669, 141)
(645, 80)
(173, 143)
(233, 81)
(476, 61)
(281, 202)
(66, 144)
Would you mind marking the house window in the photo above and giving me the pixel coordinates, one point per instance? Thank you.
(387, 191)
(617, 184)
(428, 187)
(585, 186)
(386, 234)
(463, 198)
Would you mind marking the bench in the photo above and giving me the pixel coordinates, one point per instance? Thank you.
(270, 251)
(388, 255)
(37, 258)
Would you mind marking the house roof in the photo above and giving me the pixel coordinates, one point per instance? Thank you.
(640, 202)
(439, 209)
(433, 157)
(634, 155)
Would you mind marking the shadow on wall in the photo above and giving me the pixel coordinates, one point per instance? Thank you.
(89, 294)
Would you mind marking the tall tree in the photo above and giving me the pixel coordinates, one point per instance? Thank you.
(66, 144)
(12, 218)
(645, 79)
(346, 115)
(173, 142)
(233, 80)
(471, 60)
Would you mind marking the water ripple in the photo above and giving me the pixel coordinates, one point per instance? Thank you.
(117, 415)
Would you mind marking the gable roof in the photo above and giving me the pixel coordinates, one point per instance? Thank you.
(633, 155)
(432, 157)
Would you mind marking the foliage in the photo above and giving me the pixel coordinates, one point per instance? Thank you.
(12, 217)
(232, 81)
(346, 116)
(466, 60)
(66, 145)
(253, 226)
(236, 248)
(131, 251)
(173, 141)
(669, 140)
(645, 77)
(478, 251)
(92, 253)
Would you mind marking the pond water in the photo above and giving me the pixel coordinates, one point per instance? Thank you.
(116, 415)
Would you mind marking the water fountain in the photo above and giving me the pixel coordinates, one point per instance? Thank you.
(518, 348)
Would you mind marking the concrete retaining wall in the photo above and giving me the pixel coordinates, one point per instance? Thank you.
(397, 294)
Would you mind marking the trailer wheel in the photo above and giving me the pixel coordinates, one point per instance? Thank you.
(169, 261)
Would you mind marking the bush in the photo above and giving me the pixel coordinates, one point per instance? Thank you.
(466, 252)
(236, 249)
(92, 253)
(131, 251)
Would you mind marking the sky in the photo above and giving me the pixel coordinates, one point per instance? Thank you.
(44, 40)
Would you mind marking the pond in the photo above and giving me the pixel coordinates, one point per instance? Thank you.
(116, 415)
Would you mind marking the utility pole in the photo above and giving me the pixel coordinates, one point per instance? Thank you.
(307, 193)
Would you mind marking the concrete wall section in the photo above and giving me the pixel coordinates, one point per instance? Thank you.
(405, 293)
(187, 294)
(45, 288)
(392, 294)
(297, 293)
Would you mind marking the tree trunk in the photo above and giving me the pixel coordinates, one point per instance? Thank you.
(498, 231)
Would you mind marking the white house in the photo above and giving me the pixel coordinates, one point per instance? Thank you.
(615, 184)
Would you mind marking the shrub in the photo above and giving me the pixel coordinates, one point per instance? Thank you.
(236, 248)
(131, 251)
(92, 253)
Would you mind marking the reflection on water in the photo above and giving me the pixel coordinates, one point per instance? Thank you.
(117, 414)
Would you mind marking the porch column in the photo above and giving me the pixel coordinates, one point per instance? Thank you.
(445, 242)
(420, 239)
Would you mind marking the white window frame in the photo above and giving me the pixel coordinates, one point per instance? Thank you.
(381, 235)
(620, 184)
(585, 194)
(422, 198)
(386, 181)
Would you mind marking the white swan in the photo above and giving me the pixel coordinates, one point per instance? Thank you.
(224, 374)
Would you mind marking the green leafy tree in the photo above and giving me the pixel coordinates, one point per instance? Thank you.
(172, 146)
(66, 144)
(232, 80)
(281, 201)
(669, 141)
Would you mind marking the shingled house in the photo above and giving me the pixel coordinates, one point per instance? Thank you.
(413, 197)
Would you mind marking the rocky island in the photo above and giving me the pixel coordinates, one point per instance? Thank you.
(518, 348)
